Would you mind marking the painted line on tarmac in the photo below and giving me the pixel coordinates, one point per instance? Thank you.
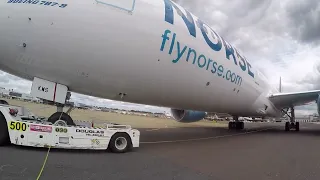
(205, 138)
(153, 129)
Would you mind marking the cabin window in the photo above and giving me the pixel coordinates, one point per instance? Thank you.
(127, 5)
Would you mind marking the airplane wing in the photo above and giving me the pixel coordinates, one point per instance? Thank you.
(282, 100)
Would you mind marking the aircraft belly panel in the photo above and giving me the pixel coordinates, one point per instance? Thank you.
(136, 57)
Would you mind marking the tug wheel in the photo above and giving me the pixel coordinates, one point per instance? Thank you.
(120, 143)
(4, 133)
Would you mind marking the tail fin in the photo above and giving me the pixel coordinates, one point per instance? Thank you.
(280, 87)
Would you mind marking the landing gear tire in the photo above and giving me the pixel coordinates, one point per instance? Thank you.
(297, 126)
(287, 126)
(61, 119)
(240, 125)
(236, 125)
(120, 143)
(292, 125)
(4, 134)
(231, 125)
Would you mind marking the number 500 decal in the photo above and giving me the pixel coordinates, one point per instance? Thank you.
(19, 126)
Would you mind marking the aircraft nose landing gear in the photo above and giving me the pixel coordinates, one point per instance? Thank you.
(57, 94)
(61, 119)
(292, 124)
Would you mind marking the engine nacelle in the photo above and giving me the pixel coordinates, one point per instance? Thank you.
(187, 116)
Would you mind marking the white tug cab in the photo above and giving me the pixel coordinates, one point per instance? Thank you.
(20, 127)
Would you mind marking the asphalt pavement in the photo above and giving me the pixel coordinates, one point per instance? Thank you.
(262, 151)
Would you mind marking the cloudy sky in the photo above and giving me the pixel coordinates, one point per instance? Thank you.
(280, 38)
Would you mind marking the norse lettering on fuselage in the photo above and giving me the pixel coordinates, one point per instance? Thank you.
(231, 52)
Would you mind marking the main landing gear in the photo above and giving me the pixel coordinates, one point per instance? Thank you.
(236, 124)
(292, 124)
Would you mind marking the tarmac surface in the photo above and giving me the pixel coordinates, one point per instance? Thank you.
(262, 151)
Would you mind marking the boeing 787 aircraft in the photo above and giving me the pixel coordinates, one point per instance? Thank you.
(141, 51)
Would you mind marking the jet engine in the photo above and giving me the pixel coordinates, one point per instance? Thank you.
(187, 116)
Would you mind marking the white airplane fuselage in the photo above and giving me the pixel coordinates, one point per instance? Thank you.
(153, 54)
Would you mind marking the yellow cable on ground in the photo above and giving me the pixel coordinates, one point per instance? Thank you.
(43, 165)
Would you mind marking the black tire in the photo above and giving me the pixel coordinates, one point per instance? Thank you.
(287, 126)
(241, 125)
(3, 102)
(297, 126)
(237, 125)
(232, 125)
(119, 137)
(64, 116)
(4, 133)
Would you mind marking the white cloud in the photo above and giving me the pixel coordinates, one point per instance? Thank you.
(9, 81)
